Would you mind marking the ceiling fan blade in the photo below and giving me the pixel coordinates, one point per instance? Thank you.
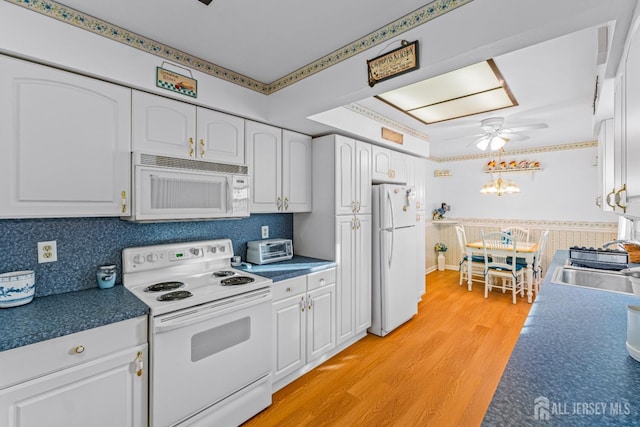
(526, 127)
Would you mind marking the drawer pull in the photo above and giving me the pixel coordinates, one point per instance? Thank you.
(321, 282)
(288, 289)
(79, 349)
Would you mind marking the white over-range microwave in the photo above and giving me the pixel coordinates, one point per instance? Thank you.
(174, 189)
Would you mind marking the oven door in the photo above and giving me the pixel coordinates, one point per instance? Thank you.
(205, 354)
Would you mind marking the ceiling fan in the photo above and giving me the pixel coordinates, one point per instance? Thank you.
(495, 135)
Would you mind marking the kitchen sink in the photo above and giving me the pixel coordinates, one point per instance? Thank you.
(605, 280)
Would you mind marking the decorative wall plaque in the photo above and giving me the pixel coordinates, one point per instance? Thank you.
(392, 136)
(394, 63)
(170, 80)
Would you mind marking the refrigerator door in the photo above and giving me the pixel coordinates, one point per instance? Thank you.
(398, 287)
(397, 206)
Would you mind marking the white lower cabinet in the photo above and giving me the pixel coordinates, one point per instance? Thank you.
(304, 313)
(92, 378)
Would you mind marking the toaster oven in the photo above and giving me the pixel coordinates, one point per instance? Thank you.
(270, 250)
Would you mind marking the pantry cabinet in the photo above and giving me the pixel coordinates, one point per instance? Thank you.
(304, 316)
(353, 176)
(177, 129)
(280, 167)
(92, 378)
(65, 143)
(388, 166)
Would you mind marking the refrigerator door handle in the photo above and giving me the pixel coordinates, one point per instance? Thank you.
(393, 232)
(390, 206)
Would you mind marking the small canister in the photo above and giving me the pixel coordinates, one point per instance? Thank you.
(106, 276)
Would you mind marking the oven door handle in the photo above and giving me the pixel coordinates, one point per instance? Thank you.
(189, 317)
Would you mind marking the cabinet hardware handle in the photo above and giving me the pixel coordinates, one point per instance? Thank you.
(599, 201)
(123, 198)
(353, 206)
(609, 199)
(357, 224)
(321, 282)
(190, 147)
(310, 303)
(389, 173)
(302, 303)
(79, 349)
(202, 148)
(139, 364)
(286, 203)
(288, 289)
(393, 173)
(357, 206)
(279, 203)
(618, 198)
(353, 224)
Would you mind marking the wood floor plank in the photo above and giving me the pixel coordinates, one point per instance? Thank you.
(440, 368)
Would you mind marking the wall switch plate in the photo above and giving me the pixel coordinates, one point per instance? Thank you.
(265, 231)
(47, 251)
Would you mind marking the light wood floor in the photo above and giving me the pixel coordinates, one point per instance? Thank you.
(439, 369)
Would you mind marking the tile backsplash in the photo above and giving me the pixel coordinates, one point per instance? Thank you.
(85, 243)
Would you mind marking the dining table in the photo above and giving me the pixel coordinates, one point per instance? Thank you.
(524, 250)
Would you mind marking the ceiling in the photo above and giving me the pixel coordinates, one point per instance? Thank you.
(547, 54)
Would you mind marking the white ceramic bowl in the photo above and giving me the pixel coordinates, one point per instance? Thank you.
(17, 288)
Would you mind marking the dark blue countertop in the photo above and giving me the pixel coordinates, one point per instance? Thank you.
(67, 313)
(570, 362)
(297, 266)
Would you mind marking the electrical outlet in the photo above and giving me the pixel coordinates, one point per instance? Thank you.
(47, 251)
(265, 231)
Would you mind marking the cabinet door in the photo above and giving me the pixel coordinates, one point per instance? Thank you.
(220, 137)
(321, 326)
(420, 178)
(105, 392)
(264, 157)
(296, 172)
(289, 332)
(398, 167)
(606, 181)
(362, 172)
(381, 164)
(345, 176)
(362, 270)
(65, 143)
(632, 124)
(345, 286)
(163, 126)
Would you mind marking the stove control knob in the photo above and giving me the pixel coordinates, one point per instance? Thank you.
(195, 251)
(152, 257)
(213, 249)
(139, 259)
(223, 249)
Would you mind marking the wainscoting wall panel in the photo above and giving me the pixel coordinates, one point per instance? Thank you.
(562, 235)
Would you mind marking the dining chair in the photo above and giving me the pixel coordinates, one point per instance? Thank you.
(500, 262)
(477, 260)
(538, 260)
(520, 232)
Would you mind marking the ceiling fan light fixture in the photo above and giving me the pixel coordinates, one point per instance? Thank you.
(497, 142)
(483, 143)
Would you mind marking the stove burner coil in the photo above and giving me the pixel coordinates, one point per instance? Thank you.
(223, 273)
(164, 286)
(238, 280)
(175, 295)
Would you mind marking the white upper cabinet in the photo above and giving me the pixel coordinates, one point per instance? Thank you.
(624, 197)
(178, 129)
(296, 172)
(388, 166)
(606, 169)
(353, 176)
(416, 176)
(65, 143)
(280, 168)
(220, 137)
(631, 139)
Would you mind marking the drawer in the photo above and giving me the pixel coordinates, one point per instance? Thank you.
(321, 278)
(289, 287)
(35, 360)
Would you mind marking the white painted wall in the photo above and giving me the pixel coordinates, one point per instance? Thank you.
(564, 190)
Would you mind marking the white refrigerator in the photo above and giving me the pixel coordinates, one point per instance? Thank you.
(394, 257)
